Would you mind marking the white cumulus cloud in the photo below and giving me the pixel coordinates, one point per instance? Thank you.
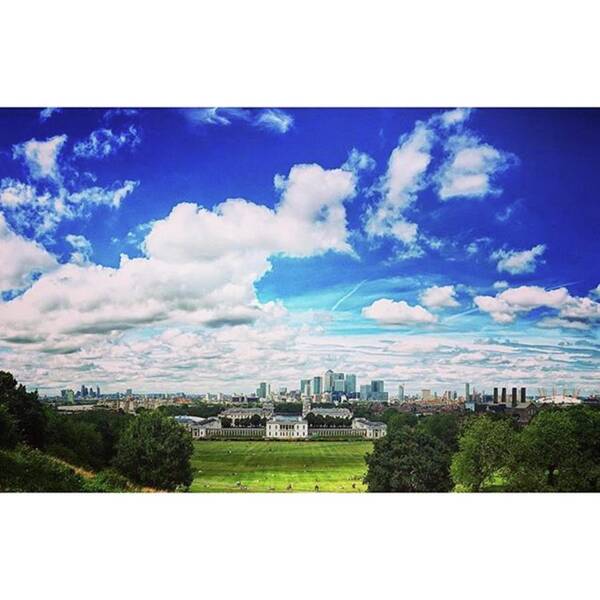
(516, 262)
(440, 297)
(469, 170)
(20, 259)
(390, 312)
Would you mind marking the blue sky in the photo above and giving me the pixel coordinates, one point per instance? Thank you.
(423, 246)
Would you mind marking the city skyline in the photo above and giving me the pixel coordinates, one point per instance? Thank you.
(202, 250)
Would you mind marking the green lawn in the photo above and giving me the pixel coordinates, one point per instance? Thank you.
(232, 466)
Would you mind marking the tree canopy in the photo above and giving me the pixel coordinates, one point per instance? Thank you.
(155, 451)
(408, 460)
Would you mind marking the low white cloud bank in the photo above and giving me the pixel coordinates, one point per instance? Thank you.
(572, 312)
(390, 312)
(516, 262)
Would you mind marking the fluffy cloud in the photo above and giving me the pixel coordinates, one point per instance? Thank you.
(43, 211)
(82, 249)
(389, 312)
(199, 267)
(275, 120)
(14, 193)
(516, 262)
(470, 167)
(20, 259)
(404, 177)
(46, 113)
(572, 312)
(359, 161)
(41, 156)
(500, 285)
(440, 297)
(104, 142)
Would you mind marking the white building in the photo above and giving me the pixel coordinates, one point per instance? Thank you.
(287, 428)
(374, 430)
(337, 413)
(198, 426)
(237, 414)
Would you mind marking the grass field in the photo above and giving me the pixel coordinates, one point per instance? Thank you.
(232, 466)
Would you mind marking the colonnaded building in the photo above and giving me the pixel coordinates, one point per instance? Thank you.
(278, 427)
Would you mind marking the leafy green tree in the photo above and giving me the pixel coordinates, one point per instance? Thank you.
(444, 426)
(8, 429)
(255, 421)
(225, 422)
(154, 450)
(408, 460)
(485, 448)
(548, 455)
(74, 441)
(25, 408)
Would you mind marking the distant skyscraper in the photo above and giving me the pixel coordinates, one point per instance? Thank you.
(263, 390)
(305, 387)
(365, 392)
(467, 392)
(400, 393)
(328, 381)
(426, 395)
(495, 395)
(317, 385)
(523, 395)
(129, 392)
(377, 386)
(339, 385)
(503, 399)
(350, 384)
(98, 391)
(514, 396)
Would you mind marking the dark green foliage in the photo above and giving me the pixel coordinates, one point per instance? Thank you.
(9, 435)
(444, 426)
(408, 460)
(108, 480)
(485, 449)
(396, 420)
(29, 470)
(198, 409)
(74, 441)
(320, 421)
(547, 457)
(289, 408)
(26, 410)
(87, 440)
(155, 451)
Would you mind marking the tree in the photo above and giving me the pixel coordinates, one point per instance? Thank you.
(255, 421)
(548, 455)
(154, 450)
(26, 410)
(225, 422)
(408, 460)
(8, 429)
(485, 448)
(445, 427)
